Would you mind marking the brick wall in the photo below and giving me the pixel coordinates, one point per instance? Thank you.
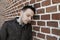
(45, 23)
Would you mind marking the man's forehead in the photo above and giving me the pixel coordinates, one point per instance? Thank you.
(29, 10)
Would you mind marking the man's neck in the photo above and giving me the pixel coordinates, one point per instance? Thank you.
(19, 20)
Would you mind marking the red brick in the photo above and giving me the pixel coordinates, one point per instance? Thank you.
(36, 17)
(56, 31)
(45, 30)
(37, 5)
(41, 35)
(51, 9)
(59, 7)
(41, 23)
(55, 1)
(35, 39)
(20, 5)
(45, 3)
(17, 11)
(39, 11)
(33, 22)
(20, 2)
(14, 15)
(45, 17)
(36, 28)
(23, 0)
(32, 1)
(27, 3)
(16, 4)
(52, 23)
(56, 16)
(51, 38)
(34, 33)
(18, 14)
(38, 0)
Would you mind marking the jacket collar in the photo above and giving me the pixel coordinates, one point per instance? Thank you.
(18, 21)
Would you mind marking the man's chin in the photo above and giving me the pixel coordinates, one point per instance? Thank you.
(25, 22)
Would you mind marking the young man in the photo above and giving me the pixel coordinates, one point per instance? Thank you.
(20, 28)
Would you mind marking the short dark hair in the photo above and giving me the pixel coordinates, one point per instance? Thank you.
(30, 7)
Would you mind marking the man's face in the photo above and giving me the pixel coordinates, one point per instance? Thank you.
(27, 16)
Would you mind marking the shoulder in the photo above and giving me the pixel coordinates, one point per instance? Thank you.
(29, 25)
(9, 21)
(6, 23)
(12, 20)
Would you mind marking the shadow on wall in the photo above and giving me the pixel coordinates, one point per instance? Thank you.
(1, 20)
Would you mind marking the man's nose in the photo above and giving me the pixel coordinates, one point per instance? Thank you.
(30, 19)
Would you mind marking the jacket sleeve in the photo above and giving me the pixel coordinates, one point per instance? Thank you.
(30, 32)
(3, 32)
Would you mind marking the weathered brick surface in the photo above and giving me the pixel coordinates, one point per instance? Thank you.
(36, 17)
(55, 1)
(39, 11)
(36, 28)
(34, 33)
(56, 16)
(33, 22)
(32, 1)
(51, 38)
(35, 39)
(51, 9)
(41, 23)
(38, 0)
(52, 24)
(41, 35)
(46, 3)
(45, 30)
(56, 31)
(37, 5)
(45, 17)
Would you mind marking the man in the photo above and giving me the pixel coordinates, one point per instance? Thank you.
(20, 28)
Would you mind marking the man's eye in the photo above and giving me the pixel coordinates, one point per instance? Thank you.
(31, 17)
(27, 15)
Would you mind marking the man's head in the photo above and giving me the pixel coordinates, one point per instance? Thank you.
(27, 13)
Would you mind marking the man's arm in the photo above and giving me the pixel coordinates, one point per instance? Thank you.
(3, 32)
(30, 32)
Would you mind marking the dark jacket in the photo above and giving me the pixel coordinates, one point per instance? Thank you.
(11, 30)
